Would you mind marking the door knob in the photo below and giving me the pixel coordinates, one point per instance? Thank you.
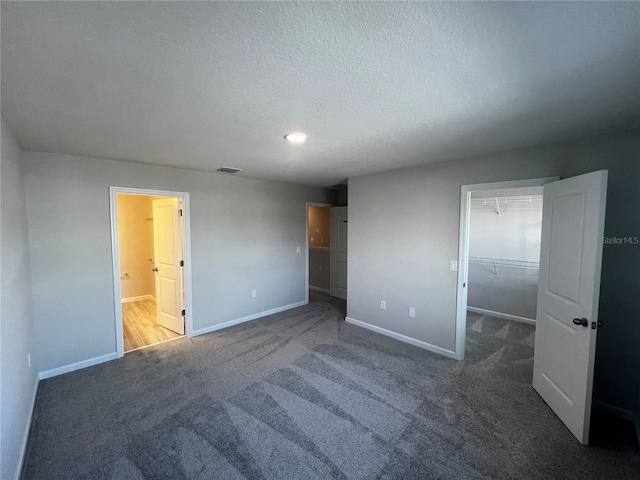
(581, 321)
(155, 269)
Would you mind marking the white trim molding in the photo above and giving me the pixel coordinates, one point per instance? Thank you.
(318, 289)
(613, 410)
(402, 338)
(138, 299)
(231, 323)
(72, 367)
(506, 316)
(619, 412)
(25, 438)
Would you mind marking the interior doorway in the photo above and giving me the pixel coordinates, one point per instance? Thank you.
(319, 247)
(567, 322)
(150, 240)
(497, 278)
(505, 227)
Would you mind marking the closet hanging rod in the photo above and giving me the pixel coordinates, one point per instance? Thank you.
(505, 262)
(508, 199)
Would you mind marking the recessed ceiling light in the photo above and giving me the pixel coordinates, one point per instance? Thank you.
(295, 137)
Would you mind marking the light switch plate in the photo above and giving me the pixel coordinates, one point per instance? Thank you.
(453, 266)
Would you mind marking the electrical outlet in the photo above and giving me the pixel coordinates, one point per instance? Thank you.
(298, 249)
(412, 312)
(383, 305)
(254, 293)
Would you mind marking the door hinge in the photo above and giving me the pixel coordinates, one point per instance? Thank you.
(182, 263)
(184, 312)
(180, 212)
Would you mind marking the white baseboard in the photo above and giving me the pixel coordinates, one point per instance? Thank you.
(138, 299)
(613, 410)
(619, 412)
(27, 430)
(318, 289)
(231, 323)
(54, 372)
(403, 338)
(506, 316)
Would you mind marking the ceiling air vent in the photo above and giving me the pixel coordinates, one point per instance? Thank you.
(228, 170)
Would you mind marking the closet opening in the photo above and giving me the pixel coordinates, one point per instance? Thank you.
(499, 261)
(505, 226)
(504, 253)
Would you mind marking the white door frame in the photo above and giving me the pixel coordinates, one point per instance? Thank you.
(306, 246)
(463, 250)
(115, 249)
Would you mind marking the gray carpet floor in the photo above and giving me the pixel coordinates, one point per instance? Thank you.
(304, 395)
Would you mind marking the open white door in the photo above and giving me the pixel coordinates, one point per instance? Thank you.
(339, 224)
(568, 294)
(167, 248)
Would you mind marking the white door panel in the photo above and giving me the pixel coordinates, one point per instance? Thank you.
(568, 292)
(167, 248)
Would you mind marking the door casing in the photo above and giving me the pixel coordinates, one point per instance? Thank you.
(115, 250)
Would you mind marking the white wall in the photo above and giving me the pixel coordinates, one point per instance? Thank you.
(244, 235)
(136, 246)
(18, 381)
(403, 231)
(514, 234)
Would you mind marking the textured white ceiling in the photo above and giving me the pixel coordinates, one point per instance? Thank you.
(376, 86)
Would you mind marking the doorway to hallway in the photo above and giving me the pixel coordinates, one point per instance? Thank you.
(151, 264)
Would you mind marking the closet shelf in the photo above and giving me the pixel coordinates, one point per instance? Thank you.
(520, 202)
(506, 200)
(504, 262)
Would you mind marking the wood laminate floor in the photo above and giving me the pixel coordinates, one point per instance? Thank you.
(140, 326)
